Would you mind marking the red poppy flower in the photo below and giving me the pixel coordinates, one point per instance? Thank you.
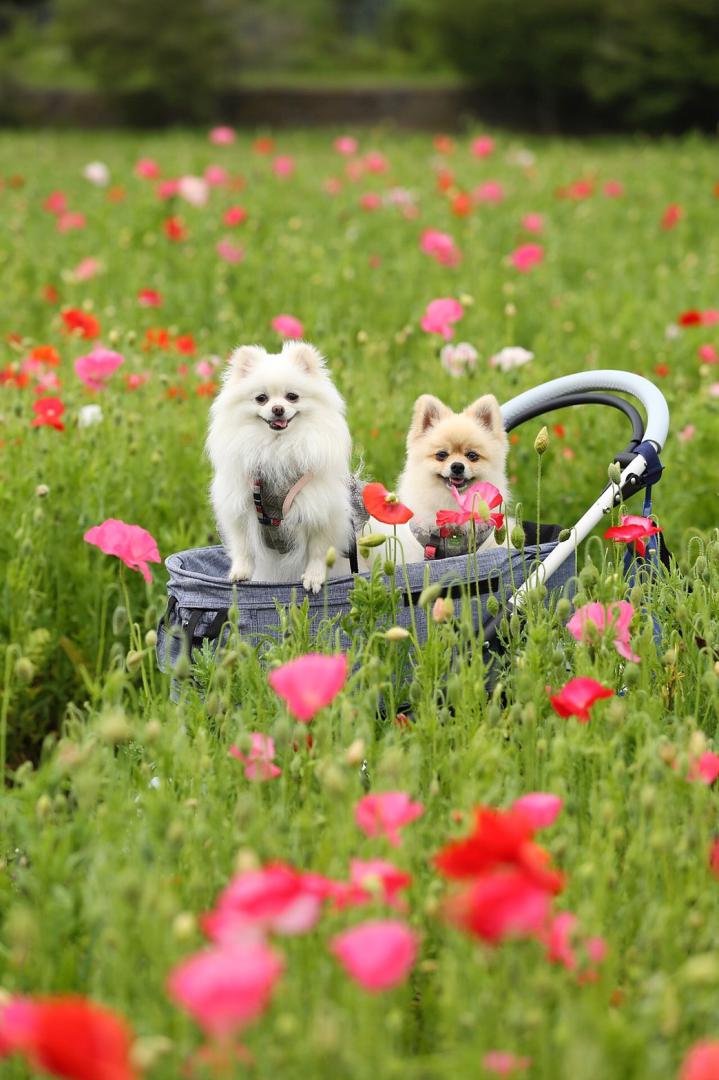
(149, 298)
(50, 294)
(263, 145)
(633, 529)
(690, 318)
(461, 205)
(185, 344)
(175, 229)
(67, 1036)
(48, 411)
(81, 323)
(45, 354)
(206, 389)
(156, 337)
(384, 505)
(10, 376)
(662, 370)
(116, 194)
(672, 216)
(577, 697)
(445, 180)
(506, 903)
(443, 144)
(178, 392)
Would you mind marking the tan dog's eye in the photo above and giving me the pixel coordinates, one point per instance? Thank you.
(472, 455)
(441, 455)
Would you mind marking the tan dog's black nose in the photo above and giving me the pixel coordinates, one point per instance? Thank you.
(457, 468)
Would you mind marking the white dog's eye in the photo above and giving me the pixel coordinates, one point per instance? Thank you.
(262, 399)
(292, 397)
(441, 455)
(472, 455)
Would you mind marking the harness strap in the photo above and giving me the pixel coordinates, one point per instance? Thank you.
(294, 490)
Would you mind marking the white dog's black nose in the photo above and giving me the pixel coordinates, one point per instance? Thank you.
(457, 468)
(278, 410)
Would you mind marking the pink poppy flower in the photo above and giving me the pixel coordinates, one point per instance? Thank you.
(96, 367)
(533, 223)
(56, 202)
(687, 433)
(710, 317)
(309, 682)
(194, 190)
(131, 543)
(504, 1062)
(714, 390)
(258, 763)
(283, 165)
(231, 253)
(632, 530)
(714, 857)
(527, 256)
(225, 989)
(578, 695)
(235, 215)
(613, 189)
(149, 298)
(222, 136)
(345, 145)
(560, 942)
(216, 176)
(288, 326)
(204, 369)
(87, 269)
(332, 185)
(540, 807)
(386, 813)
(705, 769)
(374, 162)
(472, 503)
(501, 904)
(275, 899)
(482, 146)
(459, 358)
(136, 379)
(69, 221)
(441, 247)
(373, 879)
(617, 616)
(439, 316)
(701, 1061)
(378, 955)
(672, 216)
(708, 354)
(168, 189)
(370, 201)
(491, 191)
(147, 169)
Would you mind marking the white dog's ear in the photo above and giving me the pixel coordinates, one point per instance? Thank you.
(487, 412)
(244, 359)
(427, 411)
(306, 356)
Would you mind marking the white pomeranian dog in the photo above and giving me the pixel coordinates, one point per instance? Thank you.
(280, 449)
(447, 452)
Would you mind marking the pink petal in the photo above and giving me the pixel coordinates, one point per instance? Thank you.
(309, 683)
(541, 807)
(378, 955)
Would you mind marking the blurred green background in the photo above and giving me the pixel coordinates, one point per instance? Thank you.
(551, 64)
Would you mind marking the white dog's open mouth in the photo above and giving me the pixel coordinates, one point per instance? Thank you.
(458, 482)
(279, 423)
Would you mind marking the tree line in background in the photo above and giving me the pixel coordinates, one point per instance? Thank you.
(651, 64)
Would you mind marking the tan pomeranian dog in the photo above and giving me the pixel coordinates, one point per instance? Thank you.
(447, 453)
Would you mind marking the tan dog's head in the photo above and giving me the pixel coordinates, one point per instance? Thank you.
(458, 449)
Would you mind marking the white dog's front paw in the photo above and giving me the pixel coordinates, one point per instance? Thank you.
(240, 570)
(314, 576)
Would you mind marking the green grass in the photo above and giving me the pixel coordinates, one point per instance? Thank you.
(100, 867)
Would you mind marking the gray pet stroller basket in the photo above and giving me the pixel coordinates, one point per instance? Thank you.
(200, 594)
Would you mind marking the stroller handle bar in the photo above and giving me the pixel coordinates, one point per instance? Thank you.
(550, 394)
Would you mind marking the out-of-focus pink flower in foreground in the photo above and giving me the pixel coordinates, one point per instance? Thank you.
(441, 247)
(504, 1062)
(385, 813)
(258, 762)
(540, 807)
(130, 543)
(708, 354)
(705, 769)
(225, 989)
(616, 616)
(527, 256)
(577, 697)
(273, 899)
(533, 223)
(309, 682)
(701, 1061)
(231, 253)
(288, 326)
(378, 955)
(96, 367)
(633, 530)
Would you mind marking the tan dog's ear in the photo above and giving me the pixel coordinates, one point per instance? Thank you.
(428, 410)
(306, 356)
(487, 412)
(244, 359)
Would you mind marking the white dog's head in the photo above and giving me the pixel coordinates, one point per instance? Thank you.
(273, 403)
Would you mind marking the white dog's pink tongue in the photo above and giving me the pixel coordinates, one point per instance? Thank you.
(279, 424)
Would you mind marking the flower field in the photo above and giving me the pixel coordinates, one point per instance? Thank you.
(373, 861)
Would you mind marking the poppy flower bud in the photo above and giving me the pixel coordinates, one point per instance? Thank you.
(500, 535)
(43, 806)
(396, 633)
(153, 730)
(355, 752)
(430, 594)
(24, 670)
(149, 1049)
(42, 490)
(373, 540)
(388, 567)
(492, 606)
(181, 668)
(442, 609)
(614, 472)
(564, 607)
(542, 441)
(151, 639)
(330, 557)
(119, 620)
(114, 728)
(133, 660)
(517, 537)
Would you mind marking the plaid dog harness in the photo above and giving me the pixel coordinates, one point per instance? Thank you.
(446, 541)
(271, 510)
